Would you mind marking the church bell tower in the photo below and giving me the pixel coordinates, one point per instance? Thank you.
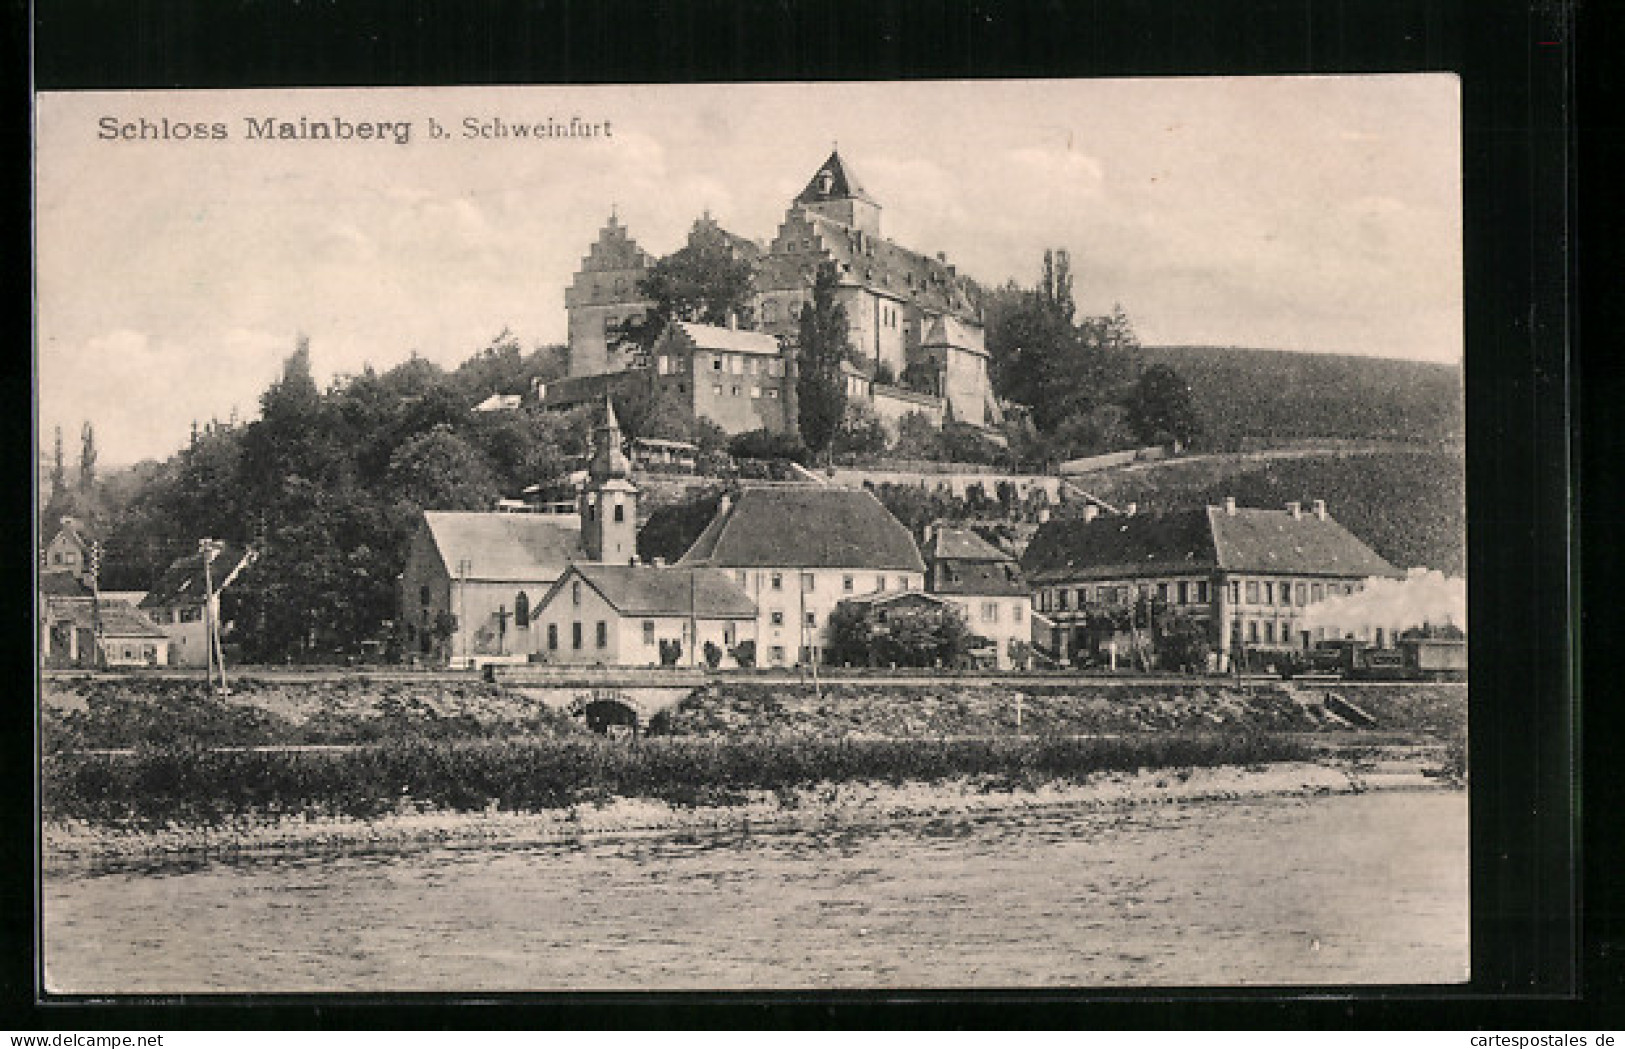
(609, 502)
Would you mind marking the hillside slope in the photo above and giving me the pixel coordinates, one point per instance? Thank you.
(1269, 398)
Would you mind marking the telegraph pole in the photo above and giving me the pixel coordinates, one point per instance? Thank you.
(213, 655)
(96, 651)
(463, 568)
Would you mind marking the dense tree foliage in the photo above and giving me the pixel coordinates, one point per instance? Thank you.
(327, 486)
(1161, 410)
(911, 637)
(1075, 374)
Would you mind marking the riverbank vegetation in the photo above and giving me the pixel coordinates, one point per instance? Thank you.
(151, 788)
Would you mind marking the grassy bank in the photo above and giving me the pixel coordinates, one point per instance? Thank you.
(154, 787)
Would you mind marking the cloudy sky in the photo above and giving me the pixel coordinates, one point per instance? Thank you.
(1309, 214)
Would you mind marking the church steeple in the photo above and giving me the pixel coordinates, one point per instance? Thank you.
(835, 193)
(609, 501)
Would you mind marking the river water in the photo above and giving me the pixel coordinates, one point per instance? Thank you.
(1365, 888)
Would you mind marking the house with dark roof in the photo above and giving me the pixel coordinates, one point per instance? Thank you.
(176, 602)
(984, 583)
(797, 551)
(642, 615)
(1247, 574)
(904, 308)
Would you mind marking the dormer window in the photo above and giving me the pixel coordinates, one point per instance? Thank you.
(826, 181)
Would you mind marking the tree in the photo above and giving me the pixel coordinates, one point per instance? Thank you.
(702, 282)
(1047, 358)
(87, 459)
(769, 444)
(441, 471)
(59, 472)
(1161, 408)
(823, 347)
(860, 432)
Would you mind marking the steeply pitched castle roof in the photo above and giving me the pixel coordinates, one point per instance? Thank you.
(874, 262)
(842, 182)
(1198, 541)
(666, 590)
(813, 527)
(505, 547)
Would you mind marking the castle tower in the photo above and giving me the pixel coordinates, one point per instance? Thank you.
(609, 502)
(834, 192)
(602, 295)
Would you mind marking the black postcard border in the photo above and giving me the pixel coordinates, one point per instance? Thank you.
(1516, 66)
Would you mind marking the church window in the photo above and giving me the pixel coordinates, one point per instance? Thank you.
(575, 636)
(602, 634)
(521, 610)
(575, 593)
(553, 636)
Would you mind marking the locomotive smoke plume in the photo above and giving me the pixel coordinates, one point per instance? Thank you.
(1425, 595)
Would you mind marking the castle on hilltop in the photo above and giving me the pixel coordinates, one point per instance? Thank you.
(915, 321)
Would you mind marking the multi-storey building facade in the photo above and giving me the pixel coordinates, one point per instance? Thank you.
(740, 380)
(984, 583)
(797, 552)
(1247, 574)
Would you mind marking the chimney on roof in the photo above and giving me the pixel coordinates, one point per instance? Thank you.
(1295, 509)
(733, 321)
(1320, 509)
(1043, 515)
(1130, 509)
(1090, 511)
(1230, 506)
(725, 504)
